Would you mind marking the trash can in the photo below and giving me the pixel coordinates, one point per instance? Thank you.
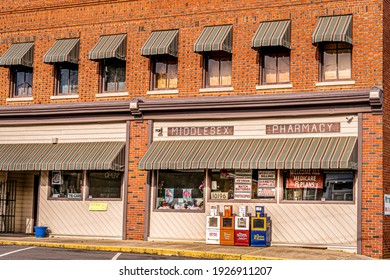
(40, 231)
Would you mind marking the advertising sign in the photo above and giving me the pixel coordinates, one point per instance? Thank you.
(266, 186)
(243, 185)
(305, 179)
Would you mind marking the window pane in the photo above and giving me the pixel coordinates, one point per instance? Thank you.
(270, 69)
(64, 80)
(329, 65)
(105, 184)
(121, 78)
(109, 78)
(180, 190)
(161, 75)
(213, 72)
(66, 184)
(74, 80)
(172, 74)
(226, 71)
(344, 64)
(284, 68)
(23, 82)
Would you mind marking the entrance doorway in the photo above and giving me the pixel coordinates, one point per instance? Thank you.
(7, 206)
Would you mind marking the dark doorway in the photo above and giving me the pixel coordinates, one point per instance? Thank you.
(7, 206)
(35, 198)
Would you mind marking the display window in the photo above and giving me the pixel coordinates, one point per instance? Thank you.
(243, 184)
(105, 184)
(99, 185)
(320, 185)
(66, 184)
(180, 189)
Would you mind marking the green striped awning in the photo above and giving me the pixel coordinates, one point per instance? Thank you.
(214, 38)
(109, 46)
(333, 29)
(64, 50)
(288, 153)
(63, 156)
(272, 34)
(18, 54)
(161, 42)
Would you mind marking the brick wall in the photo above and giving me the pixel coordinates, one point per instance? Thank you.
(136, 198)
(386, 117)
(89, 20)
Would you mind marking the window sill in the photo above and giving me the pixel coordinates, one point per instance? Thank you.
(167, 91)
(217, 89)
(276, 86)
(20, 99)
(112, 94)
(64, 96)
(335, 83)
(180, 210)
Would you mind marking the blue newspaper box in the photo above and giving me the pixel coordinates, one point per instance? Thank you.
(260, 228)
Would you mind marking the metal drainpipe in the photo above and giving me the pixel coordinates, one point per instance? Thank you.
(126, 183)
(148, 187)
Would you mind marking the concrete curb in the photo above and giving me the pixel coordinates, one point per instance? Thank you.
(142, 250)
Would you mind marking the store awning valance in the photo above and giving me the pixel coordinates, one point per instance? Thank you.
(109, 46)
(288, 153)
(63, 156)
(65, 50)
(333, 29)
(160, 43)
(214, 38)
(272, 34)
(18, 54)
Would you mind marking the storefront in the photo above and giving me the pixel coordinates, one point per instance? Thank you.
(303, 170)
(68, 177)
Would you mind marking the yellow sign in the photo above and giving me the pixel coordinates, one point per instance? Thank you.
(98, 206)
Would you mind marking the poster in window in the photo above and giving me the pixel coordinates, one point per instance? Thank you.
(305, 179)
(56, 178)
(266, 185)
(169, 195)
(187, 195)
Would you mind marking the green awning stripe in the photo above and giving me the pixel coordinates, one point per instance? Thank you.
(18, 54)
(214, 38)
(65, 50)
(272, 34)
(333, 29)
(63, 156)
(160, 43)
(109, 46)
(289, 153)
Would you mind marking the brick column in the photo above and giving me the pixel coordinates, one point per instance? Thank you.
(136, 190)
(372, 186)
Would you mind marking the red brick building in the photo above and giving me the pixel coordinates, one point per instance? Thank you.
(142, 115)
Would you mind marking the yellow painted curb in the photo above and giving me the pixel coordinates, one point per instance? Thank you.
(141, 250)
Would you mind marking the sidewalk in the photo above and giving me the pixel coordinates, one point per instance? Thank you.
(185, 249)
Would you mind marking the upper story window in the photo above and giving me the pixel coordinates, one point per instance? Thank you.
(217, 69)
(336, 61)
(164, 73)
(215, 43)
(162, 48)
(275, 66)
(333, 36)
(64, 54)
(113, 75)
(67, 81)
(19, 58)
(272, 40)
(21, 81)
(110, 52)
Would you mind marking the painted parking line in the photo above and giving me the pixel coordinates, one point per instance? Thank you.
(16, 251)
(116, 257)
